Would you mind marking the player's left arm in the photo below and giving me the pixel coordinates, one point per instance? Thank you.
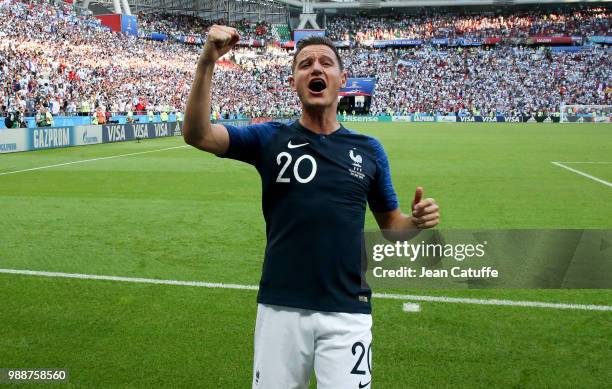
(425, 214)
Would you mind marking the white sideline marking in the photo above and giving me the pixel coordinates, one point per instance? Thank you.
(129, 279)
(583, 173)
(584, 162)
(437, 299)
(91, 160)
(513, 303)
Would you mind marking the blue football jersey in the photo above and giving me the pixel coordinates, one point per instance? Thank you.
(314, 193)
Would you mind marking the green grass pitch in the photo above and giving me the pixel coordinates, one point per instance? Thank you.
(181, 214)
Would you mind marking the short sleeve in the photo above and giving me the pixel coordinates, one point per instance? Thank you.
(382, 196)
(245, 143)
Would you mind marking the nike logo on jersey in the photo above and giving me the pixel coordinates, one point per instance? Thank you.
(361, 386)
(292, 146)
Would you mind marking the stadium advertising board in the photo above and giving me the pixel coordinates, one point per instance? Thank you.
(129, 25)
(189, 39)
(465, 119)
(177, 131)
(251, 42)
(467, 42)
(114, 133)
(488, 119)
(418, 42)
(342, 44)
(123, 132)
(440, 41)
(159, 37)
(50, 137)
(13, 140)
(156, 36)
(398, 42)
(567, 49)
(237, 122)
(161, 129)
(112, 21)
(358, 87)
(401, 118)
(30, 139)
(558, 40)
(86, 135)
(491, 41)
(423, 118)
(355, 118)
(446, 119)
(601, 39)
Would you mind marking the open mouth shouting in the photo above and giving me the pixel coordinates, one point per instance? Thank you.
(316, 86)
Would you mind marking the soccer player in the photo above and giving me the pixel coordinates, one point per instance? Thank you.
(317, 177)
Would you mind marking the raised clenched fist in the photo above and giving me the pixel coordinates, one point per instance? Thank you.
(220, 40)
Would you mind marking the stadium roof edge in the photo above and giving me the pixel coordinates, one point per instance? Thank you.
(432, 3)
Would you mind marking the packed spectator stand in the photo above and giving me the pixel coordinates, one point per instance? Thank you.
(174, 24)
(512, 24)
(53, 59)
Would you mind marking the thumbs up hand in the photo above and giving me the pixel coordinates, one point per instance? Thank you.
(425, 213)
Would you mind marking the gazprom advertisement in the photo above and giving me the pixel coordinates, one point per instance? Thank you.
(87, 135)
(13, 140)
(49, 137)
(30, 139)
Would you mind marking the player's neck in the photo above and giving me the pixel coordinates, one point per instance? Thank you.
(320, 122)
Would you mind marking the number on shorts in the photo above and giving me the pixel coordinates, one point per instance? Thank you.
(363, 352)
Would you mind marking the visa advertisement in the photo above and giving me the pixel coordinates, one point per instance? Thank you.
(31, 139)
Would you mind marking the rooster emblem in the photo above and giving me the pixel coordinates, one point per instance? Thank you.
(356, 158)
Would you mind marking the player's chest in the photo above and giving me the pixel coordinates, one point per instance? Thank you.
(317, 163)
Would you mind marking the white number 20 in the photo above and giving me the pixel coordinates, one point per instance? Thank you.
(284, 154)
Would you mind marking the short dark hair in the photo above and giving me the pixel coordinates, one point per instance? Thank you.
(316, 40)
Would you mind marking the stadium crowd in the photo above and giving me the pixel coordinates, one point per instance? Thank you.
(575, 22)
(52, 60)
(173, 24)
(507, 79)
(50, 57)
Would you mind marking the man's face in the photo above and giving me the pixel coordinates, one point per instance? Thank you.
(317, 77)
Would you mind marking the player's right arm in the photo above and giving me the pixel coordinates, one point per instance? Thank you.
(198, 131)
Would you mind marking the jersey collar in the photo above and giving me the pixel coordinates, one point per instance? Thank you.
(299, 127)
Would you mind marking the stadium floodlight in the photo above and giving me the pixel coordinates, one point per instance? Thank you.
(577, 113)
